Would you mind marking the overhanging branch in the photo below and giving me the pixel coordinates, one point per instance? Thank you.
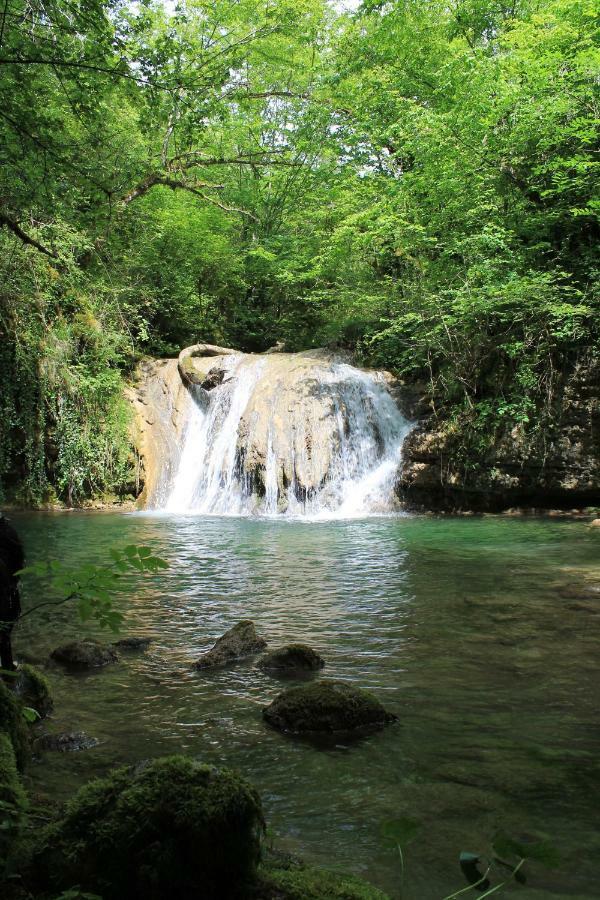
(23, 236)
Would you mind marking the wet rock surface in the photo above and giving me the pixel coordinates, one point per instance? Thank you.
(240, 641)
(291, 659)
(132, 644)
(326, 706)
(65, 742)
(84, 654)
(33, 690)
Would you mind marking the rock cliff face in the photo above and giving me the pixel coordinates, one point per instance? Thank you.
(233, 433)
(161, 404)
(554, 467)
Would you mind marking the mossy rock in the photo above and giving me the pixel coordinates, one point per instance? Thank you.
(291, 659)
(304, 883)
(85, 654)
(33, 689)
(13, 804)
(326, 706)
(241, 640)
(169, 829)
(13, 724)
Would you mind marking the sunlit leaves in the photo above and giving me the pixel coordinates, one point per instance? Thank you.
(94, 588)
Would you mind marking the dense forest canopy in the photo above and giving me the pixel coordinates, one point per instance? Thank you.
(414, 180)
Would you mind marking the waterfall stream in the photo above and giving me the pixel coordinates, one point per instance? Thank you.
(288, 435)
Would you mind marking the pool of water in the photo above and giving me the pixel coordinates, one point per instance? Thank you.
(481, 634)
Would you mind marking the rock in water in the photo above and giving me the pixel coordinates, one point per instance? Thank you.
(65, 742)
(171, 830)
(33, 690)
(326, 706)
(241, 640)
(293, 658)
(85, 654)
(133, 643)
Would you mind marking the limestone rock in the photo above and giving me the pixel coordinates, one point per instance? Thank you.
(291, 659)
(557, 467)
(326, 706)
(84, 654)
(241, 640)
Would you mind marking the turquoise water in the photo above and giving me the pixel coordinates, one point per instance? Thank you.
(481, 634)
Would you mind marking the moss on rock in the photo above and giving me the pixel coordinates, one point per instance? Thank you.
(85, 654)
(13, 804)
(326, 706)
(293, 658)
(13, 724)
(33, 689)
(241, 640)
(303, 883)
(173, 828)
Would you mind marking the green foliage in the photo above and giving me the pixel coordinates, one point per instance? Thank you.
(417, 181)
(13, 724)
(303, 883)
(13, 805)
(171, 828)
(90, 586)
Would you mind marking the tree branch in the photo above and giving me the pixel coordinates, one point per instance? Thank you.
(25, 238)
(173, 183)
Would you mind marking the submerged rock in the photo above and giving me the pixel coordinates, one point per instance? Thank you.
(174, 829)
(33, 690)
(133, 643)
(241, 640)
(326, 706)
(65, 742)
(85, 654)
(293, 658)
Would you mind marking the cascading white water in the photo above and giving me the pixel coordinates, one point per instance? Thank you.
(289, 435)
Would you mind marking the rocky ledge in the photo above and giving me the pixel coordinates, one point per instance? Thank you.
(555, 467)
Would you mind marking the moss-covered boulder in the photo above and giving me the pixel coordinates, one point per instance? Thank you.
(13, 804)
(12, 724)
(33, 689)
(241, 640)
(85, 654)
(293, 659)
(326, 706)
(303, 883)
(170, 829)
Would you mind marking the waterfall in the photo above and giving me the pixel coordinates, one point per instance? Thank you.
(288, 434)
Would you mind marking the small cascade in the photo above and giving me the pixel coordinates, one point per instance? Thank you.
(287, 434)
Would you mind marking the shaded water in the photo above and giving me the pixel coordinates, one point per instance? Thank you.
(481, 634)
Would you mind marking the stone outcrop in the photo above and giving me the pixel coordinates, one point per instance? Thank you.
(161, 403)
(291, 659)
(554, 467)
(241, 640)
(324, 707)
(195, 362)
(85, 654)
